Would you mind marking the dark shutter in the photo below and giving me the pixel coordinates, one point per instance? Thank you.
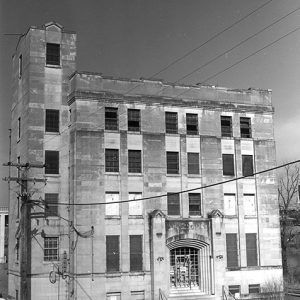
(228, 164)
(254, 288)
(51, 207)
(134, 161)
(53, 54)
(191, 124)
(134, 120)
(226, 126)
(52, 120)
(111, 160)
(245, 126)
(173, 204)
(251, 248)
(112, 253)
(111, 118)
(136, 253)
(247, 165)
(51, 162)
(232, 250)
(233, 289)
(193, 163)
(194, 204)
(171, 122)
(172, 163)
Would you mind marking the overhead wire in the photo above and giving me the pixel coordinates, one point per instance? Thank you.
(180, 192)
(188, 53)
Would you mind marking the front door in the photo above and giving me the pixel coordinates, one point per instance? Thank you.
(184, 269)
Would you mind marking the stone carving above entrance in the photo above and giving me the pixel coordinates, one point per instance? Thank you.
(194, 230)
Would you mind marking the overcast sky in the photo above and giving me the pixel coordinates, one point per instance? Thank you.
(137, 38)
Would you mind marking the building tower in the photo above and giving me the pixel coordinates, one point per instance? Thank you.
(43, 61)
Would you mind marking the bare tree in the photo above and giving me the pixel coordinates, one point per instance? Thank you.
(288, 183)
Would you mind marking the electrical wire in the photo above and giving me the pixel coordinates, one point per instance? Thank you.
(188, 53)
(180, 192)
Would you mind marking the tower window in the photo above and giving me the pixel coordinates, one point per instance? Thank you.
(52, 120)
(50, 248)
(111, 160)
(172, 162)
(51, 208)
(134, 161)
(173, 204)
(52, 162)
(228, 164)
(53, 54)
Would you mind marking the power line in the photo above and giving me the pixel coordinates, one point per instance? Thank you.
(189, 52)
(204, 43)
(242, 60)
(183, 191)
(237, 45)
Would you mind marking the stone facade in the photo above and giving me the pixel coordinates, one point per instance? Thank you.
(182, 253)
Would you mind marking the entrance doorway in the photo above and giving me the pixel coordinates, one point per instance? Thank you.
(184, 268)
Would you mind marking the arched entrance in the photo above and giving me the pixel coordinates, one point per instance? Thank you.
(190, 265)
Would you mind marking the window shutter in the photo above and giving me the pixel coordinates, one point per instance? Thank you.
(193, 163)
(251, 248)
(112, 253)
(53, 54)
(172, 163)
(226, 126)
(136, 253)
(52, 162)
(134, 161)
(232, 250)
(228, 164)
(171, 122)
(52, 120)
(52, 209)
(173, 205)
(133, 119)
(111, 118)
(194, 204)
(191, 124)
(247, 161)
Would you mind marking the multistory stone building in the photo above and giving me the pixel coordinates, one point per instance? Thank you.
(108, 142)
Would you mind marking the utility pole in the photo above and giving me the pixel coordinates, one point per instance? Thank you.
(25, 223)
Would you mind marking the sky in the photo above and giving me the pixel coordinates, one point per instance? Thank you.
(138, 38)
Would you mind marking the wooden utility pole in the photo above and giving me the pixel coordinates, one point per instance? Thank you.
(25, 224)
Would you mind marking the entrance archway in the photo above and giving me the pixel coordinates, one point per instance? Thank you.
(190, 265)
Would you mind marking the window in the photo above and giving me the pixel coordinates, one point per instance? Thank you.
(254, 288)
(228, 164)
(134, 161)
(232, 250)
(172, 163)
(51, 162)
(112, 209)
(20, 66)
(52, 120)
(136, 252)
(193, 163)
(112, 253)
(234, 289)
(194, 204)
(111, 118)
(229, 204)
(245, 126)
(111, 160)
(191, 124)
(226, 126)
(113, 296)
(50, 248)
(134, 120)
(135, 207)
(19, 127)
(247, 162)
(137, 295)
(53, 54)
(171, 122)
(173, 204)
(249, 205)
(251, 249)
(51, 207)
